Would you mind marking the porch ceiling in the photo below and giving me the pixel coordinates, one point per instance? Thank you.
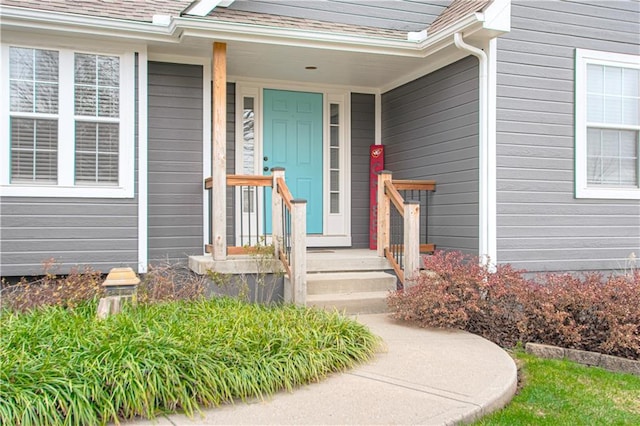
(354, 69)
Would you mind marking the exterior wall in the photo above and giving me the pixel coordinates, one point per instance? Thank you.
(541, 225)
(430, 129)
(175, 162)
(362, 135)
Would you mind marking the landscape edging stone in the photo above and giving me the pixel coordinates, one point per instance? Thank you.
(595, 359)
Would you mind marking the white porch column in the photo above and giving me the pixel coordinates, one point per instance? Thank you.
(218, 152)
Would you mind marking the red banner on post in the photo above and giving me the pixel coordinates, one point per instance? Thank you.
(376, 164)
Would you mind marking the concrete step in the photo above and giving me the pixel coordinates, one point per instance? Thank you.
(345, 261)
(349, 282)
(361, 292)
(373, 302)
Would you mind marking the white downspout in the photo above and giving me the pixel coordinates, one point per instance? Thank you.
(487, 249)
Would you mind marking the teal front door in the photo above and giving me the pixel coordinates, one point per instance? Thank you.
(293, 140)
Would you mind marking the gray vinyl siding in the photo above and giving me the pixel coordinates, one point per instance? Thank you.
(541, 225)
(175, 217)
(430, 130)
(390, 14)
(362, 136)
(231, 161)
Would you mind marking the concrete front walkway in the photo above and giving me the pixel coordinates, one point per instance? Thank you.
(423, 377)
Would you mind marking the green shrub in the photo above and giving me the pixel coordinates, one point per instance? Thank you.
(583, 312)
(60, 366)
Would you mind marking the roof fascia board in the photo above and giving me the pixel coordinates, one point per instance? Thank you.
(67, 22)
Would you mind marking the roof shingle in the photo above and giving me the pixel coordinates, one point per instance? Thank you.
(132, 10)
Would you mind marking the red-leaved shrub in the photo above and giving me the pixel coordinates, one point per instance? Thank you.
(585, 312)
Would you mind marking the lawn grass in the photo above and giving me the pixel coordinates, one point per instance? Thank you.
(560, 392)
(60, 366)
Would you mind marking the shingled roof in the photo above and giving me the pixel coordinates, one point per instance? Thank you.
(265, 19)
(143, 11)
(131, 10)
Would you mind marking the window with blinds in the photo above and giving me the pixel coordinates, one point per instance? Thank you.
(33, 122)
(69, 120)
(613, 118)
(96, 99)
(607, 132)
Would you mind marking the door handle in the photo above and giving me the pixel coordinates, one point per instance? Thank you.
(265, 168)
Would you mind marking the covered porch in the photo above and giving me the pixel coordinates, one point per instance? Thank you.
(252, 200)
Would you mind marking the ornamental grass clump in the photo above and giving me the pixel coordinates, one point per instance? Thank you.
(61, 366)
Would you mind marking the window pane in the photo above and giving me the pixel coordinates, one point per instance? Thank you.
(612, 157)
(46, 62)
(109, 71)
(628, 172)
(21, 63)
(334, 136)
(335, 183)
(631, 111)
(85, 100)
(85, 69)
(594, 142)
(22, 96)
(34, 156)
(613, 80)
(612, 109)
(97, 153)
(335, 159)
(335, 203)
(335, 113)
(97, 80)
(47, 98)
(631, 82)
(108, 102)
(248, 122)
(33, 80)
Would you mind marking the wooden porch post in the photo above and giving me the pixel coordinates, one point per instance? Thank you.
(218, 151)
(299, 251)
(383, 213)
(411, 241)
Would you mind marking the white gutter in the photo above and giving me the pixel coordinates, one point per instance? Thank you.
(487, 249)
(233, 31)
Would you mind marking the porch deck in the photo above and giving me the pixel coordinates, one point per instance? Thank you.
(318, 260)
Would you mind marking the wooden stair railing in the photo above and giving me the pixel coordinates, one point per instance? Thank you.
(402, 251)
(288, 222)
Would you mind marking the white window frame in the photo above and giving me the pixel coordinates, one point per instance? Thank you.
(66, 134)
(584, 58)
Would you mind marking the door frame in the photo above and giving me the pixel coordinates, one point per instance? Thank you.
(336, 227)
